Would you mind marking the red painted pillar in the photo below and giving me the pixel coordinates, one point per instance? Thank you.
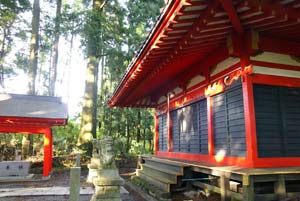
(47, 152)
(169, 126)
(51, 149)
(170, 139)
(249, 113)
(155, 134)
(211, 146)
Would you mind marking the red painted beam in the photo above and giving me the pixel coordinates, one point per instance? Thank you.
(208, 160)
(232, 15)
(278, 162)
(274, 65)
(276, 80)
(27, 129)
(282, 46)
(233, 161)
(33, 121)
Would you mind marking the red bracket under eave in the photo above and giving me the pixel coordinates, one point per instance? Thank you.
(24, 121)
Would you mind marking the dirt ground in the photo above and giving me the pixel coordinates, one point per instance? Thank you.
(61, 179)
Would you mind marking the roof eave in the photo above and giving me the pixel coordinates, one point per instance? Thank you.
(151, 38)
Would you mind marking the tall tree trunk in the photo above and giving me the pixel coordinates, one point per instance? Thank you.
(53, 68)
(89, 108)
(95, 100)
(138, 134)
(25, 148)
(151, 145)
(144, 139)
(34, 47)
(4, 48)
(101, 105)
(33, 60)
(2, 54)
(69, 64)
(88, 112)
(127, 136)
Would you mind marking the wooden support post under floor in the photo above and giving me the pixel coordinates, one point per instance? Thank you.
(224, 185)
(248, 188)
(280, 189)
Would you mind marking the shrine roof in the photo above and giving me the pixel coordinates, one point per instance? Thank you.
(192, 35)
(17, 108)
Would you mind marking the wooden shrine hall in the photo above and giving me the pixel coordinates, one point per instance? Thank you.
(31, 114)
(224, 79)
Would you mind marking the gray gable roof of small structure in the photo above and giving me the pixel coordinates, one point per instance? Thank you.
(32, 106)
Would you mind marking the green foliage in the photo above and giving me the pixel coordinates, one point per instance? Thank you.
(16, 5)
(137, 148)
(116, 34)
(10, 11)
(10, 139)
(141, 18)
(65, 138)
(72, 20)
(22, 61)
(123, 31)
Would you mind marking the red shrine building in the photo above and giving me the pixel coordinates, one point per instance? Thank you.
(224, 79)
(31, 114)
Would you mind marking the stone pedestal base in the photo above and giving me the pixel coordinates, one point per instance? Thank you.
(107, 185)
(92, 174)
(14, 168)
(93, 170)
(106, 193)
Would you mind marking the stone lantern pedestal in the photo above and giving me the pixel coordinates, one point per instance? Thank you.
(107, 185)
(108, 182)
(95, 162)
(93, 169)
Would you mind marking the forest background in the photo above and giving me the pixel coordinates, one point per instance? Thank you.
(58, 47)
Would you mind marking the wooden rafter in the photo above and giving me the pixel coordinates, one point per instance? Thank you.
(196, 28)
(200, 67)
(277, 9)
(232, 15)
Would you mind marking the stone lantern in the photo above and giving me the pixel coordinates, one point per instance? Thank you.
(108, 181)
